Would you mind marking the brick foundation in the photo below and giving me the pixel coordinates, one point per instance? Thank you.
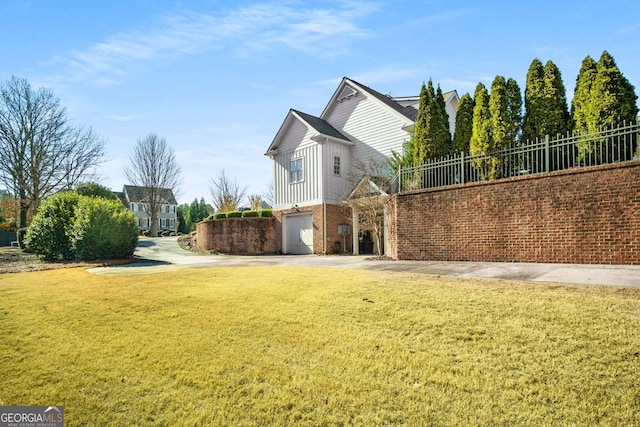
(334, 215)
(589, 215)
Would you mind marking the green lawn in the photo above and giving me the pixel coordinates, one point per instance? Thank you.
(294, 346)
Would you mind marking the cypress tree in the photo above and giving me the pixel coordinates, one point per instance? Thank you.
(555, 119)
(514, 111)
(464, 124)
(533, 102)
(431, 137)
(439, 134)
(481, 142)
(582, 95)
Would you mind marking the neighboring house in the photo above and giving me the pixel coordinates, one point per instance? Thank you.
(133, 198)
(313, 159)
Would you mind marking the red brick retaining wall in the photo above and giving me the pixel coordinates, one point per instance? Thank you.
(589, 215)
(241, 236)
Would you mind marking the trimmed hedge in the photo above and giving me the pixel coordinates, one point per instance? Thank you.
(250, 214)
(220, 215)
(234, 214)
(266, 213)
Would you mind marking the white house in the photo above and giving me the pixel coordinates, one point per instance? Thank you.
(133, 198)
(313, 157)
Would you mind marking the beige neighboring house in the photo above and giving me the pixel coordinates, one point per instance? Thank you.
(133, 198)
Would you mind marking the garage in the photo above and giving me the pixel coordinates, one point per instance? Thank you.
(297, 234)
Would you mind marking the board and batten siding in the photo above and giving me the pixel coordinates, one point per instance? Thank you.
(336, 186)
(363, 118)
(297, 145)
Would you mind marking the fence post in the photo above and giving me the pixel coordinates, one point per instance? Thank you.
(462, 167)
(546, 153)
(399, 178)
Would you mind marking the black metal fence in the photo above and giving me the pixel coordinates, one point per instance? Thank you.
(613, 145)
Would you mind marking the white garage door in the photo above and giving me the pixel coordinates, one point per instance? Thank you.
(298, 234)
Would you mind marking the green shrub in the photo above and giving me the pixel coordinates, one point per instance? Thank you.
(102, 229)
(250, 214)
(266, 213)
(234, 214)
(47, 234)
(220, 215)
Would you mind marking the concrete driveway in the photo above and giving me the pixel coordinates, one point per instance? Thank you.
(163, 254)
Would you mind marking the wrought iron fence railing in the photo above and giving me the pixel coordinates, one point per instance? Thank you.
(614, 145)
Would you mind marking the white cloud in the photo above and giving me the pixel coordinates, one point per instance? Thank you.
(260, 27)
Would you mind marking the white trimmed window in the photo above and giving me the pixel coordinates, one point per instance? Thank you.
(336, 165)
(296, 171)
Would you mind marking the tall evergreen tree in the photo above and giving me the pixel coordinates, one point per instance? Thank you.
(431, 137)
(481, 141)
(582, 95)
(514, 110)
(555, 120)
(420, 128)
(464, 124)
(613, 98)
(498, 112)
(533, 102)
(445, 119)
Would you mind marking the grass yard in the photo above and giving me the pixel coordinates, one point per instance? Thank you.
(277, 346)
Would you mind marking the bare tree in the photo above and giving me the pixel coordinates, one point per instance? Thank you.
(154, 168)
(368, 184)
(227, 195)
(41, 152)
(255, 202)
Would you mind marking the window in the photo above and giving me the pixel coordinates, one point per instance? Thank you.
(133, 207)
(296, 170)
(336, 165)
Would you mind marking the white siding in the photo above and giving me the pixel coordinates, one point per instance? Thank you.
(372, 126)
(335, 186)
(297, 144)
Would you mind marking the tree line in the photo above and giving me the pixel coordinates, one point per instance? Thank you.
(493, 119)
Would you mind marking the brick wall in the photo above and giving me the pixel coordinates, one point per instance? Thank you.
(582, 216)
(242, 236)
(334, 215)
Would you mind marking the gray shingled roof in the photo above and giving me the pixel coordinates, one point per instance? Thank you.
(409, 112)
(322, 126)
(136, 194)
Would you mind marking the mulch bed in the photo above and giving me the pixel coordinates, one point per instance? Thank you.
(15, 260)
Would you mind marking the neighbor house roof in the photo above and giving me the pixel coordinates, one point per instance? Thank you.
(137, 194)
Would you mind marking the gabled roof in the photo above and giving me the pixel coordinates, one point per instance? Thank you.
(136, 194)
(408, 112)
(322, 127)
(374, 184)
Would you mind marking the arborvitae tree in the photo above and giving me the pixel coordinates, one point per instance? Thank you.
(556, 114)
(445, 118)
(533, 102)
(464, 124)
(481, 141)
(582, 95)
(431, 136)
(499, 114)
(514, 110)
(420, 128)
(613, 98)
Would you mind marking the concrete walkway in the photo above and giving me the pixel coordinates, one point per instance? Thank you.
(164, 254)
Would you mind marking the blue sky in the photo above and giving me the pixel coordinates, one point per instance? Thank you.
(217, 78)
